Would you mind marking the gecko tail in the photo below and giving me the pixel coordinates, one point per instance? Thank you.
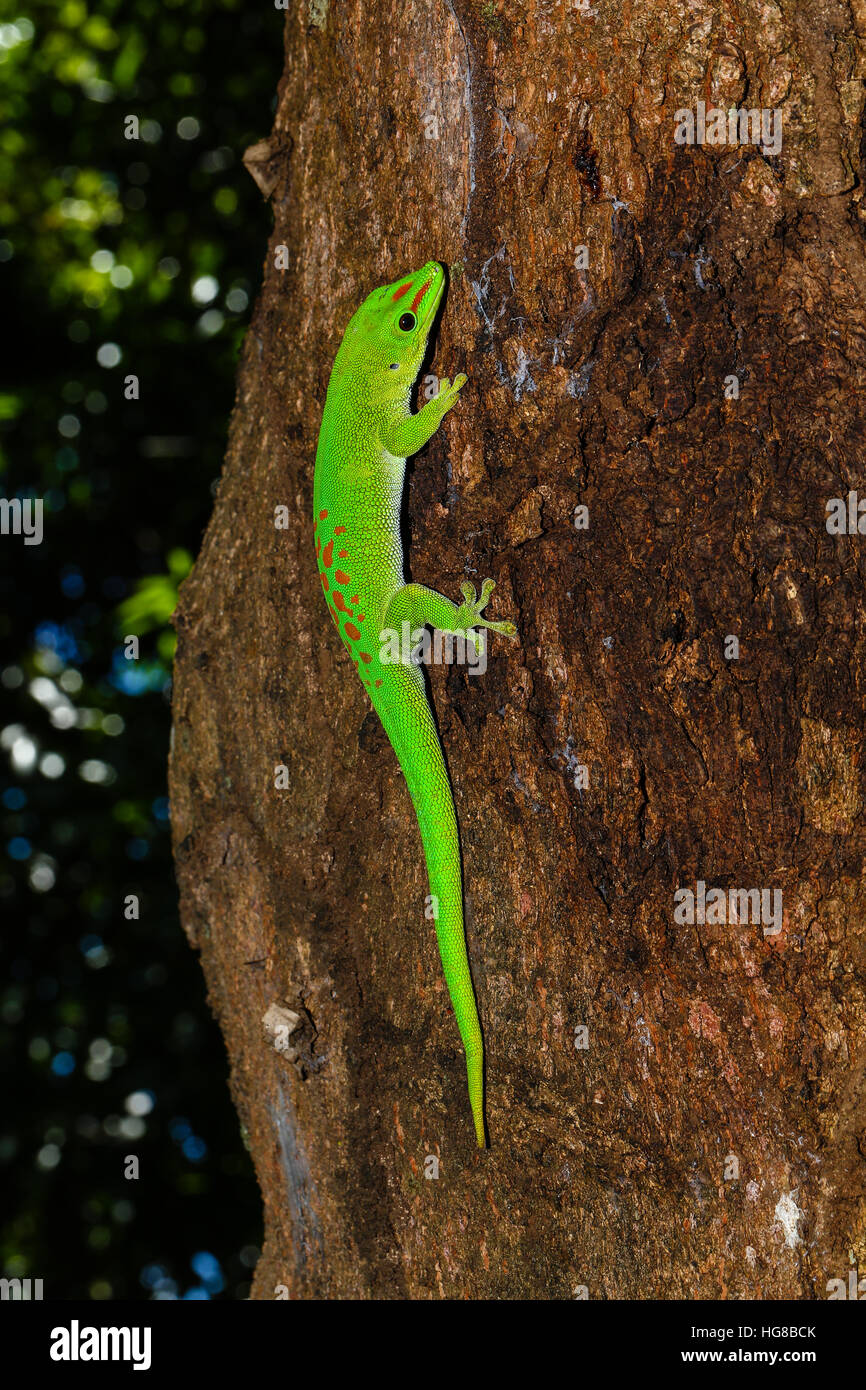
(442, 852)
(415, 740)
(475, 1078)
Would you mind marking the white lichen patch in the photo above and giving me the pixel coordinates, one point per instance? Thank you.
(788, 1214)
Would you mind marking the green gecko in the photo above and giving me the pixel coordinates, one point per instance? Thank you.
(368, 432)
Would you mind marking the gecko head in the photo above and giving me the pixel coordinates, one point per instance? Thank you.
(387, 337)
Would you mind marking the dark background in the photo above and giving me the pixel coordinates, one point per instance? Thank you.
(117, 257)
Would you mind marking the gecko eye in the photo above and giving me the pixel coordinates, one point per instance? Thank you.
(407, 322)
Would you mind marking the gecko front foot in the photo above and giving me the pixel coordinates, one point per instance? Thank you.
(449, 390)
(469, 612)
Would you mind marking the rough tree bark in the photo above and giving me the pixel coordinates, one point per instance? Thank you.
(710, 1140)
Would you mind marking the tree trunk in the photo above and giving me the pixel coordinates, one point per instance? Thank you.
(643, 460)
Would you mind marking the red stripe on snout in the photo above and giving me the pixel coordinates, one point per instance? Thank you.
(402, 290)
(420, 295)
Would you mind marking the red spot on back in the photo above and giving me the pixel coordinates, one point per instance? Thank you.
(328, 555)
(378, 683)
(322, 516)
(343, 578)
(352, 632)
(339, 603)
(420, 295)
(404, 289)
(342, 554)
(325, 582)
(365, 656)
(339, 530)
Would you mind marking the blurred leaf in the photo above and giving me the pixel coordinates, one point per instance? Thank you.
(155, 597)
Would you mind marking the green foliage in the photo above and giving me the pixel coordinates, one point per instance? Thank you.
(492, 20)
(153, 601)
(119, 258)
